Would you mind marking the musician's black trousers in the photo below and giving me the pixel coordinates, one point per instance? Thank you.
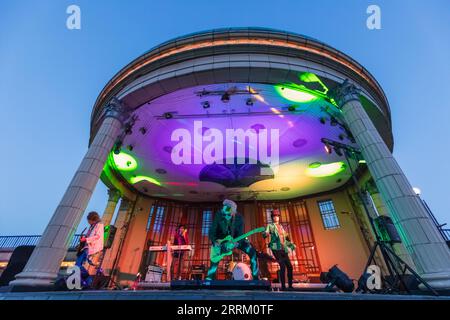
(284, 263)
(248, 249)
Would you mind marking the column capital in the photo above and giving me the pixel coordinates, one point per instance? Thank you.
(344, 93)
(113, 195)
(115, 109)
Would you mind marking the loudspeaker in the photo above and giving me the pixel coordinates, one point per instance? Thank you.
(17, 262)
(110, 233)
(387, 230)
(220, 284)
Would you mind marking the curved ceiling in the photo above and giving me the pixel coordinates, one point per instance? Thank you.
(184, 146)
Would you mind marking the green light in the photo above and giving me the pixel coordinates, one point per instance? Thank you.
(311, 77)
(362, 161)
(325, 170)
(124, 161)
(295, 95)
(315, 165)
(137, 179)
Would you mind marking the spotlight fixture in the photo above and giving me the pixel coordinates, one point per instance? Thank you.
(130, 147)
(168, 115)
(336, 277)
(225, 97)
(323, 120)
(292, 108)
(328, 148)
(117, 146)
(249, 102)
(206, 105)
(128, 128)
(142, 130)
(338, 151)
(341, 136)
(333, 121)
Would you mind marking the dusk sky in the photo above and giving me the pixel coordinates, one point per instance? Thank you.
(50, 77)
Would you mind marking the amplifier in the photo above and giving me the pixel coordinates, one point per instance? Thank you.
(220, 285)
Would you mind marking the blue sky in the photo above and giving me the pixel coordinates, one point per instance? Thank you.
(50, 77)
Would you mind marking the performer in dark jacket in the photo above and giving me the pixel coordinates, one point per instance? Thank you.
(280, 244)
(228, 222)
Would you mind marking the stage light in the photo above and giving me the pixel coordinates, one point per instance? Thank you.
(137, 179)
(130, 147)
(206, 105)
(333, 122)
(128, 128)
(117, 147)
(225, 97)
(143, 130)
(338, 151)
(323, 120)
(328, 148)
(124, 161)
(336, 277)
(249, 102)
(292, 108)
(325, 170)
(168, 115)
(295, 95)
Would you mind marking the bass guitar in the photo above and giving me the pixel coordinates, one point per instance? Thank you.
(222, 249)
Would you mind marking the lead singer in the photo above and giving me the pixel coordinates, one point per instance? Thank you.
(228, 222)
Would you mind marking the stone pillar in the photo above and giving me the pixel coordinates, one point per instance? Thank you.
(419, 234)
(44, 264)
(113, 198)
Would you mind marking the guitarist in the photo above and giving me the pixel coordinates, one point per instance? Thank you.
(280, 244)
(228, 222)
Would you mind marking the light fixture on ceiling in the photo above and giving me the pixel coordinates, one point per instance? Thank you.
(249, 102)
(206, 105)
(130, 147)
(292, 108)
(323, 120)
(225, 97)
(168, 115)
(143, 130)
(117, 146)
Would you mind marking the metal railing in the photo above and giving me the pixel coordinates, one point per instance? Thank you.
(11, 242)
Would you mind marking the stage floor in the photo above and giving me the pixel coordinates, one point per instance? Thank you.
(205, 295)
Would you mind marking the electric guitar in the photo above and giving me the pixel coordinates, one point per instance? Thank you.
(219, 251)
(81, 245)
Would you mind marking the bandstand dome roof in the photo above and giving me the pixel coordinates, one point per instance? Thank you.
(229, 79)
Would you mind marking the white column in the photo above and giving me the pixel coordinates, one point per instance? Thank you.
(420, 236)
(44, 264)
(113, 198)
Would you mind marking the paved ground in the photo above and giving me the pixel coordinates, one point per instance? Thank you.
(205, 295)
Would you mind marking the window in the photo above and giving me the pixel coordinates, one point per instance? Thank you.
(149, 221)
(269, 215)
(158, 219)
(206, 222)
(328, 213)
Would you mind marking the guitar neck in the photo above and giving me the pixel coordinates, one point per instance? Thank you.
(245, 235)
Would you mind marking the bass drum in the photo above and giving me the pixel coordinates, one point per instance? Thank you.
(241, 271)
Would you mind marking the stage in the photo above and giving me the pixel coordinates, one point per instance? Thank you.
(197, 295)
